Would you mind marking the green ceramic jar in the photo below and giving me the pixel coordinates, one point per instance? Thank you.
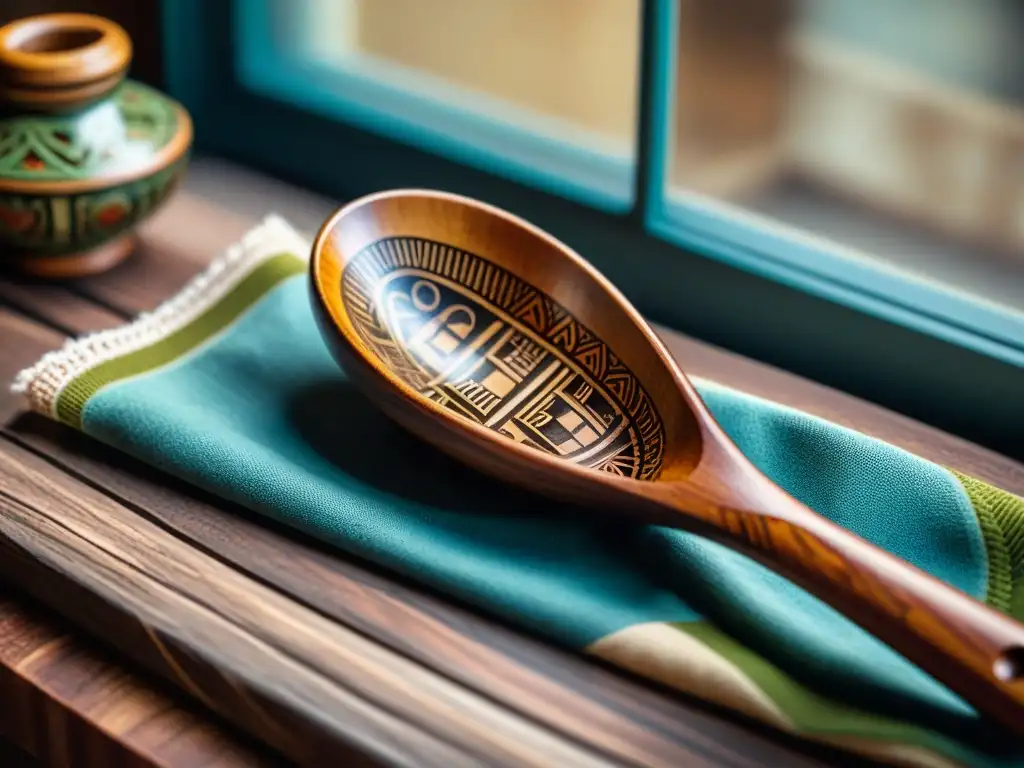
(85, 154)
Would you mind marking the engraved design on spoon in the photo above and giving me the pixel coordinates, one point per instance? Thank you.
(490, 347)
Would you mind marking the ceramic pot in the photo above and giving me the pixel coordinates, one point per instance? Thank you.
(85, 154)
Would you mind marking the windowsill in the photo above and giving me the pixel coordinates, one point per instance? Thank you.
(223, 196)
(906, 246)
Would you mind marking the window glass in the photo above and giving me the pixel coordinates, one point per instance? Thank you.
(888, 131)
(563, 68)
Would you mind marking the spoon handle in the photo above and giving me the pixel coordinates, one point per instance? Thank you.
(974, 650)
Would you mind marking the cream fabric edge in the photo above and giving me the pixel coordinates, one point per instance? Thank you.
(668, 655)
(43, 382)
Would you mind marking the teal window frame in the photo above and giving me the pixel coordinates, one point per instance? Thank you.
(267, 64)
(909, 345)
(809, 264)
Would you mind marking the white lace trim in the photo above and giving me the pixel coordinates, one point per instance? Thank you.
(44, 381)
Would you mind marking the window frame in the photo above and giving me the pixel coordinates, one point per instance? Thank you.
(896, 350)
(263, 67)
(806, 262)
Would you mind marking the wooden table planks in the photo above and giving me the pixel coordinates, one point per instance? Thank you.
(587, 704)
(400, 675)
(63, 699)
(418, 626)
(311, 687)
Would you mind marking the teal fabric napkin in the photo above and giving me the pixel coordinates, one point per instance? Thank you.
(230, 386)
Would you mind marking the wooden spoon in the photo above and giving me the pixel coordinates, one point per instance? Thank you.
(490, 339)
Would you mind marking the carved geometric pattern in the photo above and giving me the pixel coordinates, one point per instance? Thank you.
(113, 136)
(58, 224)
(487, 345)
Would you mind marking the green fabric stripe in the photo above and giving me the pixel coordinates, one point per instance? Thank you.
(231, 306)
(811, 713)
(1001, 517)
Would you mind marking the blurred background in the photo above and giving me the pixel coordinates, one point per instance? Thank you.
(891, 131)
(894, 129)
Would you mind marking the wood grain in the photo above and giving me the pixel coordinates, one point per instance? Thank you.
(56, 308)
(22, 342)
(678, 467)
(523, 673)
(63, 700)
(245, 649)
(976, 651)
(579, 699)
(582, 701)
(563, 691)
(68, 704)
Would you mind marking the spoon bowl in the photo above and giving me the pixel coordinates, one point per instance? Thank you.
(496, 343)
(543, 361)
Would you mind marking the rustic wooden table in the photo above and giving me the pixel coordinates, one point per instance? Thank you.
(146, 623)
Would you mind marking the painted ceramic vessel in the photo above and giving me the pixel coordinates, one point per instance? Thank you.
(85, 154)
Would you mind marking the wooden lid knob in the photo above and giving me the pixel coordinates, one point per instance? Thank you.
(60, 61)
